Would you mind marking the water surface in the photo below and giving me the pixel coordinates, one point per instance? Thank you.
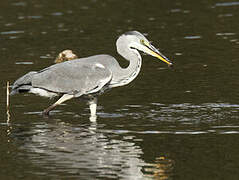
(179, 123)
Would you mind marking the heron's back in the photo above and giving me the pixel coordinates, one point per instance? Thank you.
(80, 75)
(104, 59)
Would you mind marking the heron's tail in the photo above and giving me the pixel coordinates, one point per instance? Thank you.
(23, 84)
(13, 91)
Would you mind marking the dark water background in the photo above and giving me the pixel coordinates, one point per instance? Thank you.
(179, 123)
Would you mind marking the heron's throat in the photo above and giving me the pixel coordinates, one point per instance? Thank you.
(130, 73)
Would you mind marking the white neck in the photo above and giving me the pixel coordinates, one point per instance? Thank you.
(126, 75)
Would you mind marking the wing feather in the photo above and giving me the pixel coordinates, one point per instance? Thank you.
(73, 78)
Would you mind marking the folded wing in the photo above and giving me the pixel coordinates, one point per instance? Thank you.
(73, 78)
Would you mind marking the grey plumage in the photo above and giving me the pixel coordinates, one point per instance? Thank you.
(23, 84)
(90, 75)
(79, 75)
(75, 77)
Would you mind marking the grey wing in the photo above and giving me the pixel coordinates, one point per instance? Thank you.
(73, 78)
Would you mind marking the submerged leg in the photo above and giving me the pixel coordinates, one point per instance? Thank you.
(63, 98)
(93, 107)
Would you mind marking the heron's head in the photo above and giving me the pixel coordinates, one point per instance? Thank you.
(136, 40)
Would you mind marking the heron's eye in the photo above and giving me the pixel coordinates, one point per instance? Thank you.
(142, 41)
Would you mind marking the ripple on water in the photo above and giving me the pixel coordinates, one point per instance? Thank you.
(225, 15)
(225, 34)
(158, 118)
(193, 37)
(227, 4)
(183, 118)
(24, 62)
(19, 4)
(57, 14)
(30, 17)
(11, 32)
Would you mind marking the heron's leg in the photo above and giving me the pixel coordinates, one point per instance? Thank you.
(93, 107)
(63, 98)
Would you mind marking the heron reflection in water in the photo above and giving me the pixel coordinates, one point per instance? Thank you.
(91, 76)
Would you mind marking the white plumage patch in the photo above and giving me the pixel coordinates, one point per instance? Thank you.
(100, 65)
(42, 92)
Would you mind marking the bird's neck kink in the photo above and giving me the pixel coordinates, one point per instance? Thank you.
(130, 73)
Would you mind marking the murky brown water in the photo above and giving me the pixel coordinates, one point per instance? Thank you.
(179, 123)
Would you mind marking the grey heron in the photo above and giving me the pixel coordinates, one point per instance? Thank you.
(90, 76)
